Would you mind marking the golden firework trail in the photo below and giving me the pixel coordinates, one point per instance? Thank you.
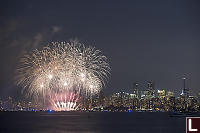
(63, 67)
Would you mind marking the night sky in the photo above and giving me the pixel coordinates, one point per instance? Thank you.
(143, 40)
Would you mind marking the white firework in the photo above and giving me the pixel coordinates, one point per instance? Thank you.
(63, 67)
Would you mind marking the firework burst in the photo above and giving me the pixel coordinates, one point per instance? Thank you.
(64, 102)
(63, 67)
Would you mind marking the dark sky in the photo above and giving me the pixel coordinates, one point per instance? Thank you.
(143, 40)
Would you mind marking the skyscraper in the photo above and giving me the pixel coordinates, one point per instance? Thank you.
(101, 97)
(136, 90)
(185, 90)
(150, 88)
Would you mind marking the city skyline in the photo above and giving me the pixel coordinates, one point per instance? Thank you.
(150, 100)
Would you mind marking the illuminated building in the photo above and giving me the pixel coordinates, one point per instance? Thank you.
(144, 94)
(185, 90)
(101, 98)
(151, 89)
(170, 94)
(135, 91)
(192, 104)
(161, 93)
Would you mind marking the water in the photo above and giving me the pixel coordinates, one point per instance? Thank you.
(90, 122)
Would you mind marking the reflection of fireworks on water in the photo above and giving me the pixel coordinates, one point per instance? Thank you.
(64, 102)
(63, 67)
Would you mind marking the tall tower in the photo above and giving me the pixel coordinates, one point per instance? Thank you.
(184, 83)
(136, 90)
(150, 88)
(185, 90)
(101, 97)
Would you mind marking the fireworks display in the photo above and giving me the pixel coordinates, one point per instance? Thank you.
(63, 67)
(64, 102)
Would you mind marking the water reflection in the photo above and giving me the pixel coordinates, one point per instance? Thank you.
(92, 122)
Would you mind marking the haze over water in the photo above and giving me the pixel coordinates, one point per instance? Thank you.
(76, 122)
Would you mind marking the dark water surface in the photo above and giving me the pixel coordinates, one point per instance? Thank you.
(90, 122)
